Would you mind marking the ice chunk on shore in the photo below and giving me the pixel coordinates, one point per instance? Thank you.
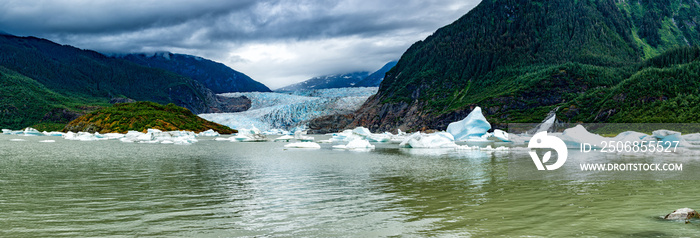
(472, 127)
(303, 145)
(435, 140)
(356, 144)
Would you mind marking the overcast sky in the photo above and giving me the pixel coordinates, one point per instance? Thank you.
(276, 42)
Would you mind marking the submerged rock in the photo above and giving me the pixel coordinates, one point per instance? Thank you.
(682, 214)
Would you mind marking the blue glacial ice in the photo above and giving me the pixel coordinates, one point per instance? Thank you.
(287, 111)
(471, 128)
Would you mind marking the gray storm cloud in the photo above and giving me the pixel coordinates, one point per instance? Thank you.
(370, 32)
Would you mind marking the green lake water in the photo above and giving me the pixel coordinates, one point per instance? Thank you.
(225, 189)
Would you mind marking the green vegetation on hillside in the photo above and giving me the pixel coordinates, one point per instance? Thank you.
(140, 116)
(520, 59)
(26, 102)
(86, 74)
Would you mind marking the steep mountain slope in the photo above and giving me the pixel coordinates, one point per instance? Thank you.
(328, 81)
(83, 79)
(26, 102)
(374, 79)
(215, 76)
(520, 59)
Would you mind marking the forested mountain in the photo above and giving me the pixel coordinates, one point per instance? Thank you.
(215, 76)
(519, 59)
(61, 82)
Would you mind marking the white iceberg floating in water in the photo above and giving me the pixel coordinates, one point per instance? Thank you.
(303, 145)
(152, 136)
(53, 133)
(473, 127)
(32, 132)
(356, 144)
(672, 137)
(435, 140)
(364, 133)
(575, 136)
(301, 136)
(47, 141)
(210, 133)
(246, 135)
(285, 138)
(501, 135)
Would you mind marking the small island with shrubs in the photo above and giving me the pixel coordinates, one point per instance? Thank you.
(141, 116)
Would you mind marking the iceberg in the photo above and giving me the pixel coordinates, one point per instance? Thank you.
(361, 131)
(303, 145)
(285, 138)
(575, 136)
(31, 132)
(301, 136)
(435, 140)
(47, 141)
(356, 144)
(210, 133)
(82, 136)
(671, 136)
(501, 135)
(152, 136)
(53, 133)
(473, 127)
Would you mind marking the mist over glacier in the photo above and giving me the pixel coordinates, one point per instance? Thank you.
(270, 110)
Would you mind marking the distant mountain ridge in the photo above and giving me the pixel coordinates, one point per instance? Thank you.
(376, 78)
(327, 81)
(355, 79)
(215, 76)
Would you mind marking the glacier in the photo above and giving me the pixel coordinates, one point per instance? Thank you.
(287, 111)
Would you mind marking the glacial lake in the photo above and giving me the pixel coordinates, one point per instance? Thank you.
(226, 189)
